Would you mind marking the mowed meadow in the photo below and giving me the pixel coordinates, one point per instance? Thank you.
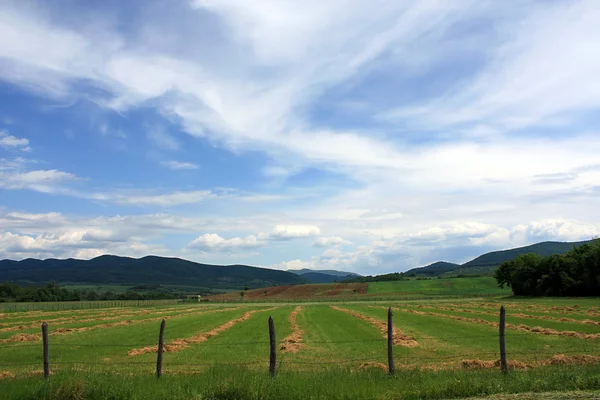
(442, 348)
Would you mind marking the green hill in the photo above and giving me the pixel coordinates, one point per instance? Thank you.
(487, 263)
(435, 269)
(150, 270)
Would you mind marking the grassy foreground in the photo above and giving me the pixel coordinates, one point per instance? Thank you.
(240, 383)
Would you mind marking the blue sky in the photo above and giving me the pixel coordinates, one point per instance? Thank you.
(365, 136)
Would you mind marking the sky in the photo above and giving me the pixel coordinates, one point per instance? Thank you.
(370, 137)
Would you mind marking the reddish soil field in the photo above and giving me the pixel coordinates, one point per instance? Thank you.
(291, 292)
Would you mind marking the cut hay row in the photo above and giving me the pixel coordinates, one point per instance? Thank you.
(520, 327)
(90, 311)
(34, 337)
(293, 342)
(560, 359)
(400, 338)
(475, 364)
(182, 343)
(100, 317)
(516, 315)
(575, 309)
(21, 314)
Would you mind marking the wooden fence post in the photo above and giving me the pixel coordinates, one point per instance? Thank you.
(45, 346)
(503, 364)
(391, 368)
(273, 352)
(161, 343)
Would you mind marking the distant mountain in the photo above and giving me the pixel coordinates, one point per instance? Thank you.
(304, 271)
(488, 262)
(317, 277)
(148, 270)
(544, 249)
(437, 268)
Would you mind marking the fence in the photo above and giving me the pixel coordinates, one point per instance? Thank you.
(78, 305)
(272, 358)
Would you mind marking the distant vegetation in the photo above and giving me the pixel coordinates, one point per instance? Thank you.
(53, 292)
(575, 273)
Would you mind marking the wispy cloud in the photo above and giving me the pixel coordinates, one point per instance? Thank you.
(435, 123)
(179, 165)
(11, 142)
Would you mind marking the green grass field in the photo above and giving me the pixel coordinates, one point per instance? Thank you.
(469, 285)
(448, 348)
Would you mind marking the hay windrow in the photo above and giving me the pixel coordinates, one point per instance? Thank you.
(584, 359)
(182, 343)
(100, 317)
(293, 342)
(25, 337)
(516, 315)
(400, 338)
(373, 364)
(482, 364)
(520, 327)
(6, 375)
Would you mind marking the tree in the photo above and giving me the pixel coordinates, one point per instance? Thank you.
(575, 273)
(242, 294)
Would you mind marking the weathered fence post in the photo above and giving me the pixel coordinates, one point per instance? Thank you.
(391, 368)
(161, 342)
(45, 346)
(273, 343)
(503, 364)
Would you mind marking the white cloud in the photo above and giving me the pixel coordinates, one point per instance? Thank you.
(45, 181)
(517, 138)
(286, 232)
(214, 242)
(8, 141)
(330, 241)
(165, 200)
(179, 165)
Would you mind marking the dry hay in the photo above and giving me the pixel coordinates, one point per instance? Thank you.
(25, 337)
(182, 343)
(400, 338)
(520, 327)
(100, 317)
(515, 315)
(585, 359)
(373, 364)
(481, 364)
(293, 342)
(6, 375)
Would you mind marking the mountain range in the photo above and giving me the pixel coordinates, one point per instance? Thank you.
(324, 276)
(488, 262)
(153, 270)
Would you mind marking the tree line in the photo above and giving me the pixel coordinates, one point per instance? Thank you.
(575, 273)
(53, 292)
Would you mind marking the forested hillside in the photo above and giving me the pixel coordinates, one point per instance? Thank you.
(149, 270)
